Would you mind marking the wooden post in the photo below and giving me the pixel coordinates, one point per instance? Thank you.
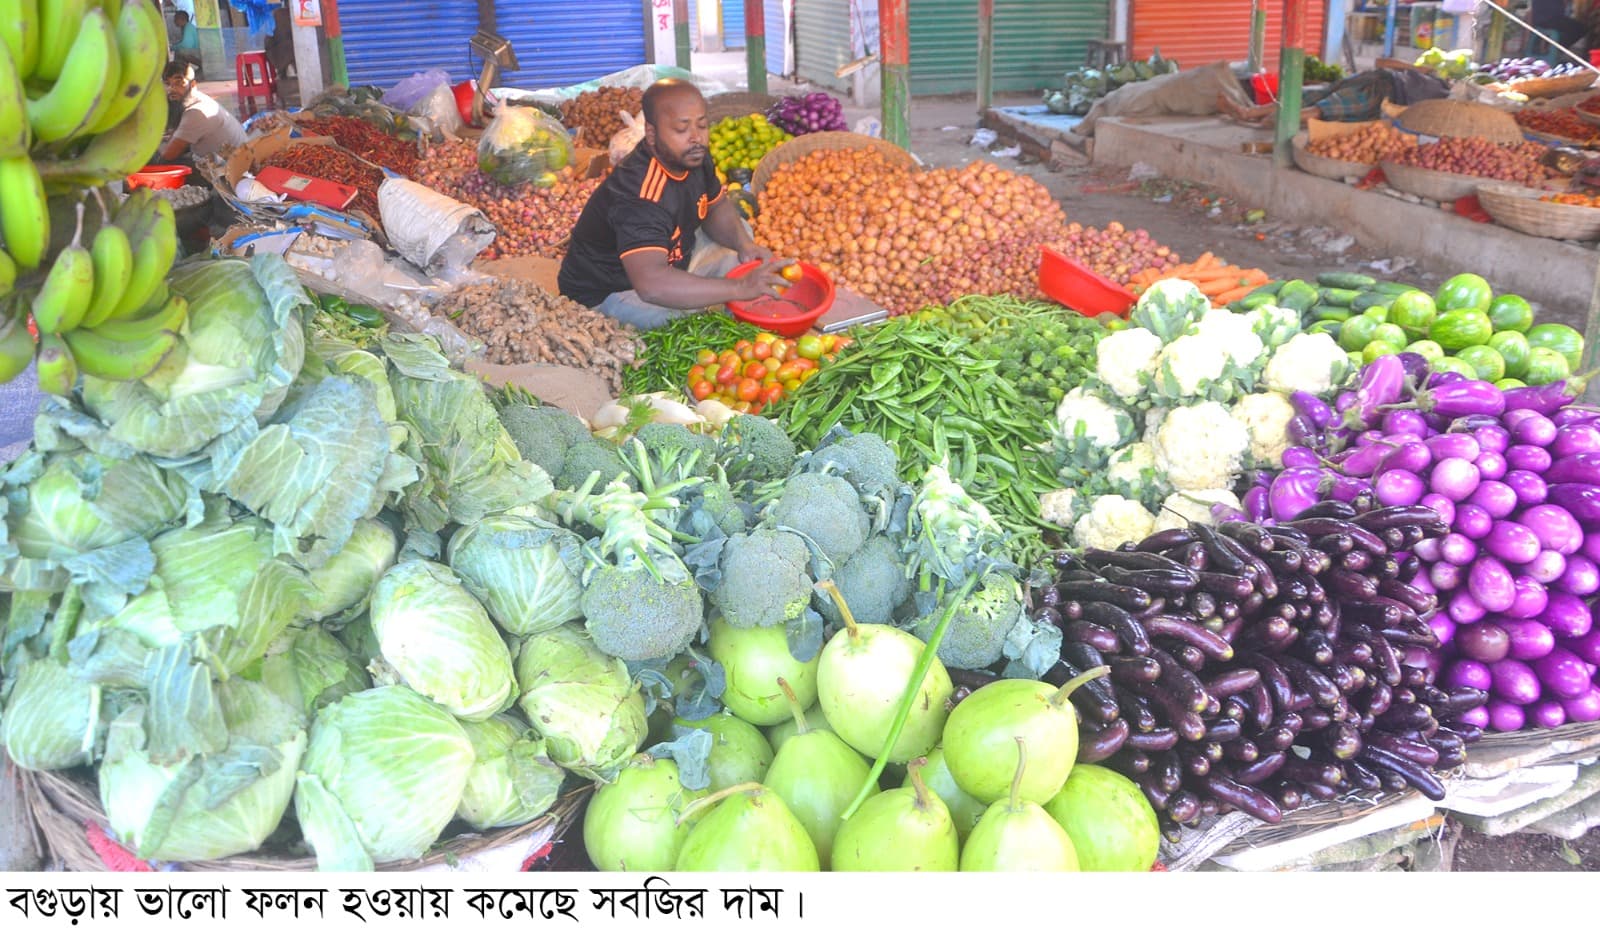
(1495, 44)
(330, 25)
(1388, 28)
(985, 56)
(1291, 69)
(1258, 35)
(894, 39)
(680, 19)
(755, 46)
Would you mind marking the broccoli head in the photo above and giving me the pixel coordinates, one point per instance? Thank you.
(543, 433)
(756, 450)
(826, 509)
(675, 449)
(590, 456)
(865, 460)
(717, 499)
(977, 634)
(632, 614)
(873, 582)
(764, 579)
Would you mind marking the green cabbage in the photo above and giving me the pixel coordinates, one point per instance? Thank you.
(205, 807)
(50, 717)
(525, 571)
(382, 777)
(81, 501)
(512, 780)
(339, 588)
(440, 641)
(311, 670)
(581, 701)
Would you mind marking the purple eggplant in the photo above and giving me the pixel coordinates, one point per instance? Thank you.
(1465, 609)
(1567, 615)
(1547, 567)
(1584, 708)
(1545, 399)
(1528, 458)
(1473, 522)
(1468, 673)
(1308, 405)
(1496, 497)
(1528, 427)
(1443, 626)
(1441, 505)
(1514, 682)
(1576, 440)
(1491, 584)
(1529, 487)
(1453, 445)
(1455, 477)
(1406, 456)
(1405, 422)
(1301, 457)
(1506, 717)
(1581, 577)
(1485, 642)
(1562, 674)
(1529, 598)
(1548, 714)
(1530, 639)
(1383, 382)
(1575, 469)
(1491, 466)
(1455, 400)
(1255, 503)
(1556, 526)
(1444, 576)
(1492, 438)
(1399, 487)
(1362, 460)
(1513, 542)
(1293, 491)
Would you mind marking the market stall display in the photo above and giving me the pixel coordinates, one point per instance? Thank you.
(739, 143)
(365, 141)
(529, 220)
(336, 165)
(596, 115)
(807, 114)
(1559, 124)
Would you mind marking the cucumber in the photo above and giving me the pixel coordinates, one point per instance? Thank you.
(1368, 299)
(1345, 279)
(1340, 297)
(1392, 288)
(1298, 296)
(1252, 302)
(1329, 312)
(1331, 328)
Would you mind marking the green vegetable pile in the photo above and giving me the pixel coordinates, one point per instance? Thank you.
(1045, 348)
(670, 350)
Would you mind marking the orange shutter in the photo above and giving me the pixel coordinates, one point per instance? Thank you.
(1198, 34)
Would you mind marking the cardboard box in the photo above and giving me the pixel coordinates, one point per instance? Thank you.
(530, 268)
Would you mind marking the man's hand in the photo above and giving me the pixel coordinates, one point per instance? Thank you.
(764, 280)
(750, 252)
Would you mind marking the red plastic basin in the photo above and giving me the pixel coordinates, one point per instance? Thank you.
(159, 177)
(1090, 294)
(795, 310)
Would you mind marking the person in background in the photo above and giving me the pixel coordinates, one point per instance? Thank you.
(185, 40)
(1551, 18)
(279, 46)
(205, 128)
(633, 251)
(1359, 97)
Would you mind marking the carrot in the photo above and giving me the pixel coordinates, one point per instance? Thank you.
(1230, 296)
(1217, 286)
(1204, 261)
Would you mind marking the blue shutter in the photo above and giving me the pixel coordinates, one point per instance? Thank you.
(564, 42)
(733, 24)
(385, 41)
(777, 35)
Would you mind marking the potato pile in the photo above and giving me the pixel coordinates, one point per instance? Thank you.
(1369, 145)
(907, 239)
(530, 220)
(599, 113)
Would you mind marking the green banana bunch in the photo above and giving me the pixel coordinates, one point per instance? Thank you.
(15, 134)
(64, 298)
(119, 151)
(58, 371)
(24, 214)
(16, 344)
(58, 27)
(141, 52)
(127, 350)
(19, 31)
(113, 262)
(153, 232)
(81, 93)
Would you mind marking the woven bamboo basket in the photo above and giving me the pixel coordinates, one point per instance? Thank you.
(792, 150)
(1441, 117)
(1430, 184)
(1551, 87)
(64, 805)
(1520, 208)
(737, 105)
(1588, 116)
(1320, 166)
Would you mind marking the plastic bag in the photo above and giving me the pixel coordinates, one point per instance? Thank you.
(524, 145)
(432, 230)
(409, 91)
(436, 115)
(624, 141)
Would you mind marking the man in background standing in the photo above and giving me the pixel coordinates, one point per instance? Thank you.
(185, 41)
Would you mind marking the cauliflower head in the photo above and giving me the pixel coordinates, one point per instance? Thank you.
(1083, 416)
(1190, 366)
(1125, 361)
(1111, 521)
(1185, 507)
(1061, 507)
(1235, 333)
(1201, 446)
(1132, 473)
(1267, 417)
(1274, 325)
(1168, 307)
(1312, 362)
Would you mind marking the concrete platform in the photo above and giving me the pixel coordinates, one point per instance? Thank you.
(1212, 151)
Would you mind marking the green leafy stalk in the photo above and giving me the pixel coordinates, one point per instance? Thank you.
(913, 687)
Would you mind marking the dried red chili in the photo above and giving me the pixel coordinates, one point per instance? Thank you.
(316, 160)
(369, 142)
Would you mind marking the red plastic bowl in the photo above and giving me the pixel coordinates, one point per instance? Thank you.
(159, 177)
(1066, 282)
(802, 302)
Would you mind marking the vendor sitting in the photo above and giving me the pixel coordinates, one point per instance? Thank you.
(205, 128)
(633, 253)
(1359, 97)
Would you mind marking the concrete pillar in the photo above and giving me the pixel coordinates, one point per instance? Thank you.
(308, 62)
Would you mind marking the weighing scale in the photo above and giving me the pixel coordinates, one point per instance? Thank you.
(495, 50)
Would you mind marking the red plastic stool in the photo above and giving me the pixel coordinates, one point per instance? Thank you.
(256, 79)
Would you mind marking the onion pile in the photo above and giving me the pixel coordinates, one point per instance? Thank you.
(1479, 157)
(907, 239)
(530, 220)
(1116, 251)
(599, 113)
(805, 114)
(1369, 145)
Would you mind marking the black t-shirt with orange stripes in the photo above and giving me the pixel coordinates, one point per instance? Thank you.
(639, 208)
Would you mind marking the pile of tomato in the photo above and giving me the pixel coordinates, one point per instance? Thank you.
(756, 373)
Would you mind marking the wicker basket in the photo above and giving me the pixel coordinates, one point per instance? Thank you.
(64, 805)
(1430, 184)
(1551, 87)
(1441, 117)
(1520, 208)
(1589, 117)
(792, 150)
(1320, 166)
(737, 105)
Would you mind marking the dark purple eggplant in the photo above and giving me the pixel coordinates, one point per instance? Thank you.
(1150, 784)
(1094, 698)
(1202, 605)
(1404, 716)
(1308, 772)
(1414, 774)
(1188, 632)
(1354, 652)
(1233, 681)
(1324, 693)
(1104, 743)
(1137, 560)
(1226, 555)
(1134, 670)
(1133, 709)
(1183, 807)
(1277, 738)
(1128, 629)
(1343, 740)
(1468, 734)
(1246, 798)
(1418, 752)
(1316, 648)
(1241, 750)
(1261, 713)
(1410, 516)
(1362, 778)
(1313, 719)
(1188, 655)
(1252, 536)
(1165, 540)
(1224, 730)
(1388, 663)
(1195, 763)
(1166, 703)
(1099, 637)
(1156, 582)
(1274, 678)
(1105, 593)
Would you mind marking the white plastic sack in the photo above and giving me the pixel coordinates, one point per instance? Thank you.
(409, 91)
(429, 229)
(624, 141)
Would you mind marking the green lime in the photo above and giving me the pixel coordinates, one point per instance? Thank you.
(1510, 312)
(1429, 350)
(1457, 329)
(1392, 335)
(1414, 312)
(1377, 348)
(1513, 347)
(1464, 291)
(1358, 332)
(1545, 366)
(1488, 363)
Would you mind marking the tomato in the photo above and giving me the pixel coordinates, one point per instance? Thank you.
(808, 374)
(731, 359)
(810, 346)
(766, 337)
(755, 371)
(840, 341)
(749, 389)
(772, 364)
(761, 350)
(705, 357)
(702, 390)
(745, 349)
(802, 364)
(726, 374)
(771, 393)
(787, 372)
(696, 373)
(782, 349)
(791, 384)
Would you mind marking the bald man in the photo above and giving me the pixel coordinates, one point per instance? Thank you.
(635, 252)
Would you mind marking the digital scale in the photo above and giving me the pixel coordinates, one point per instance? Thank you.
(308, 188)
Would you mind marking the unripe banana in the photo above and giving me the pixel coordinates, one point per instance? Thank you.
(168, 316)
(64, 298)
(119, 151)
(16, 346)
(15, 134)
(155, 246)
(58, 371)
(19, 30)
(114, 7)
(58, 25)
(8, 276)
(141, 51)
(81, 93)
(113, 262)
(24, 214)
(119, 360)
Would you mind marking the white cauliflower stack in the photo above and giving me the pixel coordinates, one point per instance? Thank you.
(1086, 417)
(1234, 333)
(1126, 359)
(1112, 521)
(1201, 446)
(1061, 507)
(1267, 417)
(1312, 362)
(1185, 507)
